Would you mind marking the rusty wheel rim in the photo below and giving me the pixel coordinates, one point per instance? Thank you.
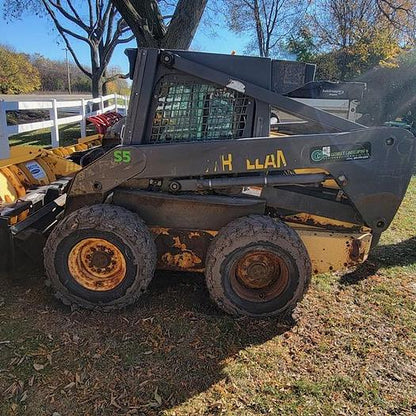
(96, 264)
(259, 276)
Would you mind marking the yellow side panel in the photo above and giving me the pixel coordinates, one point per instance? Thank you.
(330, 251)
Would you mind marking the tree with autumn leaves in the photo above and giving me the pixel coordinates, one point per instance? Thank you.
(344, 37)
(17, 74)
(98, 26)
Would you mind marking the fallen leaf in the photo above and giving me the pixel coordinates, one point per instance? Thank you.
(70, 385)
(24, 396)
(158, 398)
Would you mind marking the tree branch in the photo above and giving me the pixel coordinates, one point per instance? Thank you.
(135, 21)
(110, 24)
(63, 32)
(74, 11)
(69, 16)
(116, 76)
(91, 17)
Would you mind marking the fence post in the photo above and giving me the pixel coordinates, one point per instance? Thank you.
(115, 102)
(53, 115)
(102, 104)
(84, 120)
(126, 105)
(4, 137)
(90, 107)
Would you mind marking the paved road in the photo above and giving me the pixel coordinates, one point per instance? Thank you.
(37, 97)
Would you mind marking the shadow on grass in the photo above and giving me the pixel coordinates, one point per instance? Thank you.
(391, 255)
(175, 341)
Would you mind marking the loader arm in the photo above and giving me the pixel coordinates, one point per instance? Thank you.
(375, 182)
(370, 166)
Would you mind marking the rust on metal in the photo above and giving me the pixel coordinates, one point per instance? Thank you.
(318, 221)
(259, 276)
(97, 264)
(333, 250)
(186, 260)
(355, 251)
(160, 231)
(181, 249)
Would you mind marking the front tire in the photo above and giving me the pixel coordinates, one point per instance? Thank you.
(258, 267)
(100, 257)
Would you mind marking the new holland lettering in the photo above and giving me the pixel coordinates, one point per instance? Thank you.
(270, 161)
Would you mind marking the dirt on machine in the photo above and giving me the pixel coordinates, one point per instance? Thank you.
(197, 179)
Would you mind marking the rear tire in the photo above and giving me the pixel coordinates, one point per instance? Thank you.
(100, 257)
(258, 267)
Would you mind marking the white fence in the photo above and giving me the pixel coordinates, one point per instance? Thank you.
(81, 108)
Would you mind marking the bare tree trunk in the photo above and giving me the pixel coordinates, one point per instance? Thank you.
(146, 22)
(97, 86)
(259, 29)
(184, 23)
(104, 86)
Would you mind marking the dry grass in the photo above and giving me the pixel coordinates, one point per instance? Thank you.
(351, 348)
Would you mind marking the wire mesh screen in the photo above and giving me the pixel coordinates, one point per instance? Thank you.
(190, 111)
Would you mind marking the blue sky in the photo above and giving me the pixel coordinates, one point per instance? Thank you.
(37, 35)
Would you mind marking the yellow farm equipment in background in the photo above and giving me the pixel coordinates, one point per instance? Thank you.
(33, 166)
(31, 178)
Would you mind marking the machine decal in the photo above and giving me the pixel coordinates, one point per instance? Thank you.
(271, 160)
(227, 162)
(36, 170)
(358, 151)
(122, 156)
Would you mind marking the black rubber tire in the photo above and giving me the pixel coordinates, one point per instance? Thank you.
(240, 236)
(119, 226)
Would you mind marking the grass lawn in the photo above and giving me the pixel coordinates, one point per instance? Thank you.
(68, 134)
(351, 348)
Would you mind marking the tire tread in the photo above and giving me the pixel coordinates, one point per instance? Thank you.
(254, 226)
(126, 225)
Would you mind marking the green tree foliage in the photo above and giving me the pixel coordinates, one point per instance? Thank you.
(17, 74)
(352, 62)
(356, 35)
(364, 40)
(302, 45)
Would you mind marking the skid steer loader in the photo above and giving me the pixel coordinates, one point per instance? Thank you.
(198, 183)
